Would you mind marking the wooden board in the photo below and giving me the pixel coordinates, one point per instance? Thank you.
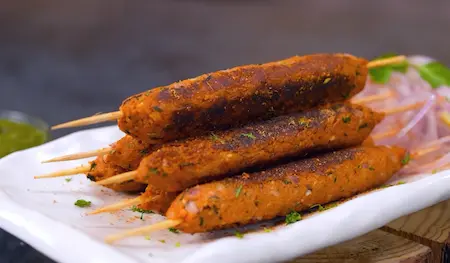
(430, 227)
(377, 246)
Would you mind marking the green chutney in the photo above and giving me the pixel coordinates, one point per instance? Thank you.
(16, 136)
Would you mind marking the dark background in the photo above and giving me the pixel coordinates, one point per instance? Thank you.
(61, 60)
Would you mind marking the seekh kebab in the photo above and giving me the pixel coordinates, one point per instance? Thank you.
(295, 186)
(233, 97)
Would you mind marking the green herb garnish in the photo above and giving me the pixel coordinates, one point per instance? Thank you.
(162, 241)
(158, 109)
(174, 230)
(144, 152)
(140, 210)
(362, 126)
(238, 190)
(293, 217)
(401, 182)
(382, 74)
(216, 138)
(371, 168)
(267, 230)
(68, 179)
(153, 170)
(83, 203)
(286, 181)
(93, 165)
(249, 135)
(147, 237)
(406, 158)
(346, 119)
(177, 244)
(435, 73)
(238, 234)
(326, 80)
(201, 221)
(319, 207)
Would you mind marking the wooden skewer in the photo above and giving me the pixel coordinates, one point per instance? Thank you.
(111, 116)
(130, 175)
(386, 61)
(118, 178)
(82, 155)
(72, 171)
(122, 204)
(99, 152)
(143, 230)
(408, 107)
(372, 98)
(386, 134)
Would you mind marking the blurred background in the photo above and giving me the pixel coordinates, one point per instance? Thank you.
(61, 60)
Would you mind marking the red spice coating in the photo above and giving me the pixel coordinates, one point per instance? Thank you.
(295, 186)
(178, 165)
(233, 97)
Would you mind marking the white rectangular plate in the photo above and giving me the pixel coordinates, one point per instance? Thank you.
(43, 214)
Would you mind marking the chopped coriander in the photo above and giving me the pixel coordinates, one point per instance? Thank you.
(68, 179)
(144, 152)
(83, 203)
(435, 73)
(319, 207)
(216, 138)
(201, 221)
(238, 234)
(162, 241)
(334, 179)
(345, 95)
(371, 168)
(331, 206)
(238, 190)
(304, 121)
(174, 230)
(326, 80)
(93, 165)
(140, 210)
(164, 174)
(249, 135)
(401, 182)
(177, 244)
(147, 237)
(362, 126)
(293, 217)
(406, 158)
(267, 230)
(286, 181)
(346, 119)
(147, 93)
(153, 170)
(158, 109)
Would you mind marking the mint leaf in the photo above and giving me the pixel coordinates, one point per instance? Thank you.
(435, 73)
(381, 75)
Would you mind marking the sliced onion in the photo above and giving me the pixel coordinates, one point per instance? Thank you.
(426, 107)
